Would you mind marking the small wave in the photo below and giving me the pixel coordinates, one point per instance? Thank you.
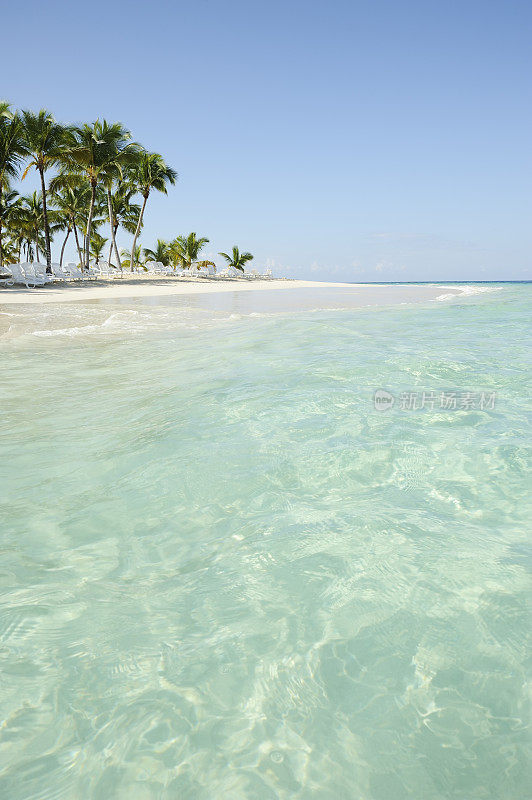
(117, 318)
(68, 331)
(448, 296)
(479, 289)
(466, 291)
(119, 321)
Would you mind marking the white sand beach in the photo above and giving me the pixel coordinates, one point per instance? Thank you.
(153, 286)
(138, 286)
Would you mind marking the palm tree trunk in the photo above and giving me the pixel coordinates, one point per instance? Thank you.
(113, 227)
(116, 248)
(89, 225)
(137, 231)
(77, 244)
(46, 225)
(1, 250)
(63, 248)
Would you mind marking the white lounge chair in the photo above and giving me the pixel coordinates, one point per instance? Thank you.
(157, 268)
(78, 274)
(230, 272)
(93, 271)
(19, 277)
(207, 271)
(25, 274)
(111, 271)
(40, 270)
(60, 273)
(6, 277)
(35, 275)
(102, 270)
(74, 271)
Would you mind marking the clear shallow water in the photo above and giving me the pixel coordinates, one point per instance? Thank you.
(225, 575)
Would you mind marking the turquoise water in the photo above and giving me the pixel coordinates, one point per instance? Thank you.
(225, 575)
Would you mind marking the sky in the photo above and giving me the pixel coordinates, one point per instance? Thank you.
(379, 140)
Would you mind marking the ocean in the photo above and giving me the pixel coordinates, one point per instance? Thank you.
(266, 547)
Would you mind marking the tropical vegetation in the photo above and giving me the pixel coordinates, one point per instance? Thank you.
(237, 260)
(91, 175)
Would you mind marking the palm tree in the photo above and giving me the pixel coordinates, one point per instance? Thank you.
(10, 213)
(150, 172)
(178, 252)
(20, 229)
(71, 196)
(126, 155)
(238, 260)
(44, 141)
(70, 203)
(123, 212)
(64, 223)
(185, 250)
(5, 109)
(12, 152)
(160, 254)
(25, 243)
(32, 219)
(18, 239)
(11, 216)
(126, 257)
(92, 152)
(11, 251)
(97, 245)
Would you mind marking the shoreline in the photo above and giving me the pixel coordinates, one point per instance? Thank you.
(133, 286)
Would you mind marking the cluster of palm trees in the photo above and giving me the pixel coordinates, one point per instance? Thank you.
(90, 175)
(184, 251)
(98, 171)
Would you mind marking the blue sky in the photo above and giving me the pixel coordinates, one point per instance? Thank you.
(339, 140)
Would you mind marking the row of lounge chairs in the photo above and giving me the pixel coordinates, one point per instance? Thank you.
(35, 274)
(207, 271)
(157, 268)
